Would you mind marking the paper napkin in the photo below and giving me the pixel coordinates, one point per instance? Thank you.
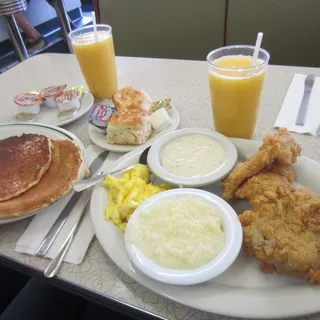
(290, 107)
(42, 222)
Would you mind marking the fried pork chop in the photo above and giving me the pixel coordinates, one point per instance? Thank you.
(278, 150)
(23, 161)
(283, 228)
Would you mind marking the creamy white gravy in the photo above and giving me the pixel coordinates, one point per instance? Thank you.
(192, 155)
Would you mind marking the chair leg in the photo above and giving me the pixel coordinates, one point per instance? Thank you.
(63, 19)
(16, 38)
(97, 10)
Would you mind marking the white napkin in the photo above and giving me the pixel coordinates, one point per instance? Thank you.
(42, 222)
(290, 107)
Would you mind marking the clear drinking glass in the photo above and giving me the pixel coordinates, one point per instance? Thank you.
(235, 88)
(95, 55)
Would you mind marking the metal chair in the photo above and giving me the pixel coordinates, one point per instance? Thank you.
(7, 10)
(9, 7)
(63, 19)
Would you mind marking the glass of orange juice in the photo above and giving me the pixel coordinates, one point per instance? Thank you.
(95, 54)
(235, 88)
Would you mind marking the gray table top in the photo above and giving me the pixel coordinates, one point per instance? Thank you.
(187, 84)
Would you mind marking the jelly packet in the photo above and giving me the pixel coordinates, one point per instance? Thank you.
(79, 90)
(101, 115)
(163, 103)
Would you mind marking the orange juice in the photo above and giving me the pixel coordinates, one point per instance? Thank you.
(97, 62)
(235, 88)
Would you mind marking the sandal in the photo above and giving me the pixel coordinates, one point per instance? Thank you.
(36, 45)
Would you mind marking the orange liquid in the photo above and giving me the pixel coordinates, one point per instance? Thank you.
(97, 63)
(235, 95)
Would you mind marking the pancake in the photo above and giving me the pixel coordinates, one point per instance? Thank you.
(67, 166)
(23, 162)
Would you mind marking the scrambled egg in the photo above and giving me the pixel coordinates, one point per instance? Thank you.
(128, 192)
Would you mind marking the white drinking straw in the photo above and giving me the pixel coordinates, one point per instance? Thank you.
(257, 48)
(94, 25)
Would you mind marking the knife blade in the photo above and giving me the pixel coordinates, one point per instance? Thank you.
(54, 266)
(57, 226)
(308, 85)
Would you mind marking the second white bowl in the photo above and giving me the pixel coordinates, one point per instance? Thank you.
(233, 240)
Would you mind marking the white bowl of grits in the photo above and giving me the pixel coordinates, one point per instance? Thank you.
(183, 236)
(192, 157)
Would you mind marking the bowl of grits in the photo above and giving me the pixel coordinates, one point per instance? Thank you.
(183, 236)
(192, 157)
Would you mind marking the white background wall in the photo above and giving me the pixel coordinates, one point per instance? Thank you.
(39, 11)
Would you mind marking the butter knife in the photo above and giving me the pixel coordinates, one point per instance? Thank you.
(308, 85)
(57, 226)
(55, 264)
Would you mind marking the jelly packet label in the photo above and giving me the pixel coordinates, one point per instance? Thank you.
(101, 115)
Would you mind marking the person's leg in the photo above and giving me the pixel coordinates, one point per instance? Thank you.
(35, 40)
(26, 26)
(38, 300)
(11, 283)
(94, 311)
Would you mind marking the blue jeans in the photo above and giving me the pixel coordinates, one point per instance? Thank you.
(38, 300)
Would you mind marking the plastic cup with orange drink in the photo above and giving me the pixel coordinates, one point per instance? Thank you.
(236, 84)
(93, 46)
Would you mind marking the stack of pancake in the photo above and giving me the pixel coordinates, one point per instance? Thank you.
(36, 171)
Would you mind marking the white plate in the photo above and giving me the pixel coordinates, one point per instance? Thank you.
(241, 291)
(11, 129)
(100, 139)
(48, 116)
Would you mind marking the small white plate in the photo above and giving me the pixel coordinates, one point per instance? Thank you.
(154, 159)
(100, 139)
(49, 115)
(233, 240)
(242, 290)
(10, 129)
